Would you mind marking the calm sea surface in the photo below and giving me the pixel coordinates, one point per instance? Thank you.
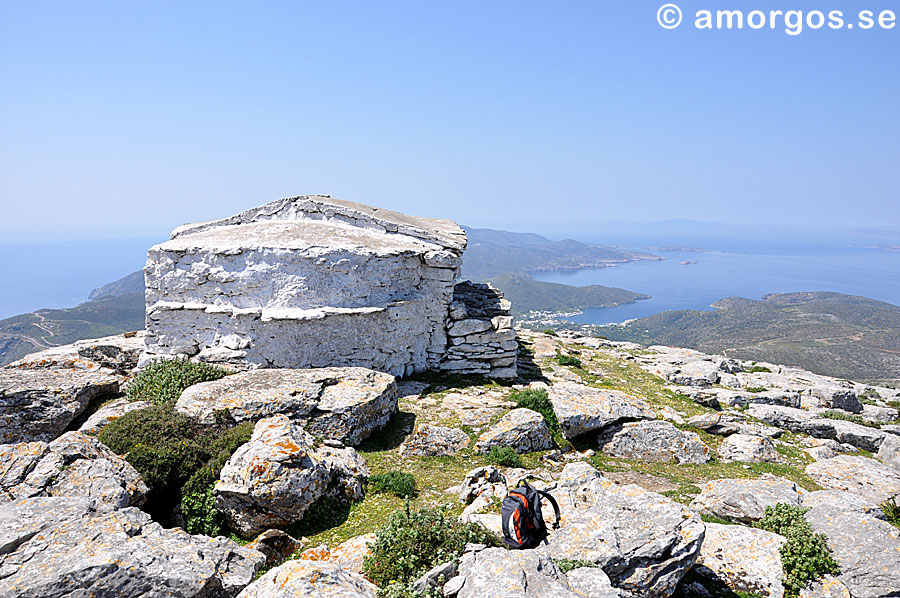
(716, 274)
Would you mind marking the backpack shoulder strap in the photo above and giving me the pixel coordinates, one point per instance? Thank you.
(553, 502)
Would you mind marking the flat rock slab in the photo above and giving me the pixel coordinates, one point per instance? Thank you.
(272, 480)
(745, 559)
(873, 481)
(654, 441)
(522, 429)
(114, 354)
(865, 545)
(310, 579)
(434, 441)
(583, 409)
(72, 465)
(502, 573)
(110, 412)
(59, 547)
(344, 404)
(644, 541)
(38, 404)
(745, 500)
(748, 448)
(475, 409)
(809, 422)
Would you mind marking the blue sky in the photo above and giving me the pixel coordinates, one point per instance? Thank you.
(127, 119)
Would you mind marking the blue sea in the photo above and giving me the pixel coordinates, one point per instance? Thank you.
(872, 273)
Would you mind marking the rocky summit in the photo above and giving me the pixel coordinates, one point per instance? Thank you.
(371, 414)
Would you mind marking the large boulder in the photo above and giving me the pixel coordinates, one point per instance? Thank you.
(344, 404)
(655, 441)
(60, 547)
(582, 409)
(272, 480)
(745, 559)
(745, 500)
(38, 404)
(310, 579)
(865, 545)
(72, 465)
(502, 573)
(522, 429)
(866, 477)
(644, 541)
(748, 448)
(434, 441)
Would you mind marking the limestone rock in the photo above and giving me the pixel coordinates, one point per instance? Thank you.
(351, 553)
(745, 500)
(273, 479)
(826, 587)
(866, 547)
(582, 409)
(724, 424)
(109, 412)
(644, 541)
(276, 545)
(866, 477)
(73, 465)
(59, 547)
(889, 452)
(825, 448)
(39, 403)
(522, 429)
(485, 479)
(435, 577)
(434, 441)
(745, 559)
(654, 441)
(344, 404)
(514, 574)
(116, 354)
(481, 334)
(807, 422)
(749, 449)
(475, 409)
(310, 579)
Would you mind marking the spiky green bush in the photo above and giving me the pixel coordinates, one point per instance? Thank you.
(165, 380)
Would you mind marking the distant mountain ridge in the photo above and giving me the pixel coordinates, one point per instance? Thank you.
(132, 283)
(827, 333)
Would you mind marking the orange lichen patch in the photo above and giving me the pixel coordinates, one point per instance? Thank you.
(317, 553)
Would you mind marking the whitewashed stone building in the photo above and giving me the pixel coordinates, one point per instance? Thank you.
(312, 281)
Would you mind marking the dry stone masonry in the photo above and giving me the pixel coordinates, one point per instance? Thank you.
(312, 281)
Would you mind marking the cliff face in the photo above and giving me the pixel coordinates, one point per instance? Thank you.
(312, 282)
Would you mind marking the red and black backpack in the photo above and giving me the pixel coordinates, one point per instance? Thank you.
(522, 519)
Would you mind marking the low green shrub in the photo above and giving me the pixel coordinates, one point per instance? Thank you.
(758, 369)
(505, 456)
(412, 542)
(397, 483)
(563, 359)
(165, 380)
(755, 389)
(550, 332)
(805, 555)
(566, 565)
(537, 400)
(169, 449)
(891, 511)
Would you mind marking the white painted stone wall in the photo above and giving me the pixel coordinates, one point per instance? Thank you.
(307, 282)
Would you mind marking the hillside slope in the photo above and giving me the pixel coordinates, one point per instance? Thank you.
(827, 333)
(44, 328)
(527, 294)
